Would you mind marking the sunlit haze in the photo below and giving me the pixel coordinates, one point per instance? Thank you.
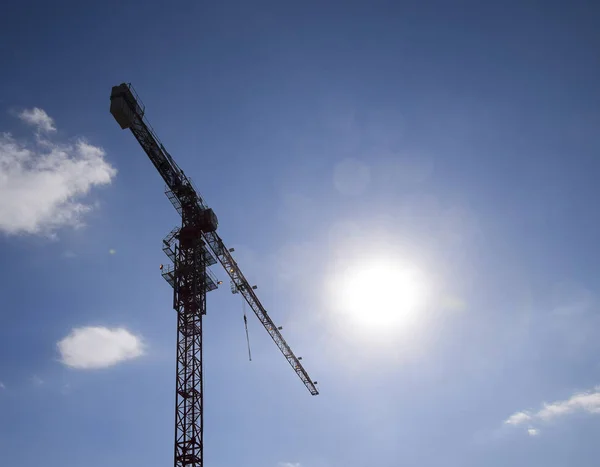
(380, 295)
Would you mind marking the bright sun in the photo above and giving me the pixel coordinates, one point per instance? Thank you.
(382, 294)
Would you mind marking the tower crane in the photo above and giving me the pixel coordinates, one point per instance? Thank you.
(192, 247)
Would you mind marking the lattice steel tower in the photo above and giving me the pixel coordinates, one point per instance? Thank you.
(192, 248)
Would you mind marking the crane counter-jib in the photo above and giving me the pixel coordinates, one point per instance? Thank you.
(127, 110)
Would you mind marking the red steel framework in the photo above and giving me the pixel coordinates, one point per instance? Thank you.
(192, 248)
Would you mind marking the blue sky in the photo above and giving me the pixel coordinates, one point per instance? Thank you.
(411, 185)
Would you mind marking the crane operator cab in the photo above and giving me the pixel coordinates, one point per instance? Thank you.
(208, 221)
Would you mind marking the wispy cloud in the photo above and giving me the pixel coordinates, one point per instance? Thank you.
(351, 177)
(38, 118)
(43, 183)
(2, 386)
(289, 464)
(35, 379)
(518, 418)
(98, 347)
(582, 402)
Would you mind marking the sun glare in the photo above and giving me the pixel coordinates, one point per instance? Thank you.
(381, 294)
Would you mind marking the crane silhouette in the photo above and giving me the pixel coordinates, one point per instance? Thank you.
(192, 248)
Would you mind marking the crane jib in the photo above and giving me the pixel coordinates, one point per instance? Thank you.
(247, 292)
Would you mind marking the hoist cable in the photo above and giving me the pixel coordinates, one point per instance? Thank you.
(246, 326)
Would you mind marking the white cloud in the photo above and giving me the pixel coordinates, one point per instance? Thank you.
(583, 402)
(518, 418)
(98, 347)
(289, 464)
(2, 386)
(38, 118)
(42, 183)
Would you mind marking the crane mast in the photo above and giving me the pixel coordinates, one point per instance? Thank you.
(192, 248)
